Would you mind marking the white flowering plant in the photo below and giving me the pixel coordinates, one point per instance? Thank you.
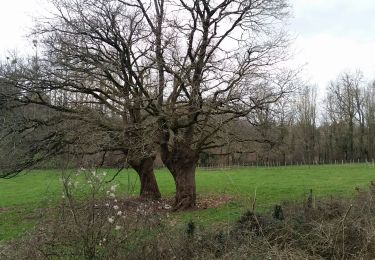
(93, 221)
(91, 213)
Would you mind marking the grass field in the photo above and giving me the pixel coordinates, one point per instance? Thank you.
(22, 196)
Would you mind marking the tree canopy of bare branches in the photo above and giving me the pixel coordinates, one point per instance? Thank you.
(152, 75)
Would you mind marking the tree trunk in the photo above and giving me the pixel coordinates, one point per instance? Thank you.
(145, 169)
(184, 177)
(181, 161)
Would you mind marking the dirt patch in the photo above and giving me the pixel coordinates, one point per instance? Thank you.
(4, 210)
(140, 206)
(208, 202)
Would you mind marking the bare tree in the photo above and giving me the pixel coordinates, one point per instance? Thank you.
(92, 69)
(176, 70)
(345, 107)
(369, 111)
(213, 61)
(307, 122)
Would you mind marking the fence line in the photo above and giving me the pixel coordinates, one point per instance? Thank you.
(273, 164)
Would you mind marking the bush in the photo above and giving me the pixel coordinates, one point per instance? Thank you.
(95, 227)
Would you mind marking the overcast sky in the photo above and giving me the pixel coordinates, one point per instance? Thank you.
(331, 36)
(334, 36)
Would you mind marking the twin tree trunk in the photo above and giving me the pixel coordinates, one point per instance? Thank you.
(145, 170)
(182, 164)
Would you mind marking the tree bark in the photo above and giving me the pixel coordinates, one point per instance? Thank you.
(181, 161)
(184, 177)
(145, 170)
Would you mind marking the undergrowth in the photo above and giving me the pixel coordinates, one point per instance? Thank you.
(104, 227)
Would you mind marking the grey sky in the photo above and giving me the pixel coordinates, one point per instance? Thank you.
(15, 19)
(331, 35)
(345, 18)
(334, 36)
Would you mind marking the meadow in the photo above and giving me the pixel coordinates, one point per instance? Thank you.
(23, 198)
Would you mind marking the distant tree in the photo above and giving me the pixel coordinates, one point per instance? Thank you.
(369, 114)
(344, 107)
(307, 122)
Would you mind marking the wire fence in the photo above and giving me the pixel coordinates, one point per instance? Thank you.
(274, 164)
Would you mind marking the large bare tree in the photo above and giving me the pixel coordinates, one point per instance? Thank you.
(214, 62)
(174, 72)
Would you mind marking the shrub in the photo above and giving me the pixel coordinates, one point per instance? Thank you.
(90, 222)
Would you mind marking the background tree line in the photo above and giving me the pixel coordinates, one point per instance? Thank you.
(303, 129)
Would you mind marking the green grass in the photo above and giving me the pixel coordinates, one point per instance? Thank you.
(22, 196)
